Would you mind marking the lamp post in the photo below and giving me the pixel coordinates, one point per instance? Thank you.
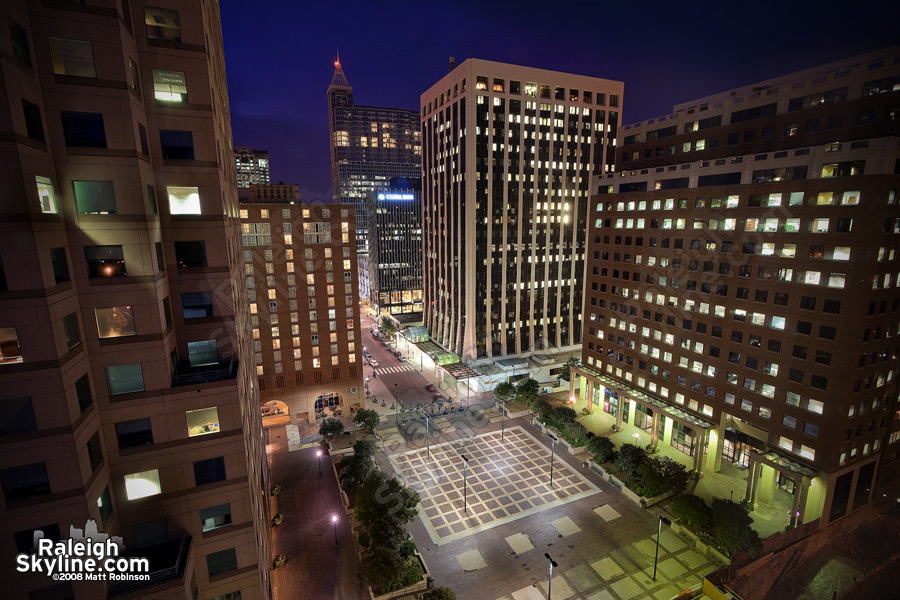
(503, 421)
(552, 448)
(550, 579)
(396, 393)
(427, 445)
(319, 461)
(334, 520)
(465, 488)
(662, 520)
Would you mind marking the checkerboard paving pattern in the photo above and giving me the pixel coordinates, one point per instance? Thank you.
(506, 481)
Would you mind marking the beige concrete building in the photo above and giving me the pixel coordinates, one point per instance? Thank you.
(301, 275)
(124, 324)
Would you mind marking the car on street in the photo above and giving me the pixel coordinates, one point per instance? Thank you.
(402, 359)
(373, 362)
(431, 387)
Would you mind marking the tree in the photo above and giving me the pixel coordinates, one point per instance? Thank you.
(731, 527)
(630, 458)
(601, 448)
(575, 433)
(540, 407)
(563, 415)
(693, 511)
(566, 373)
(330, 427)
(660, 475)
(527, 390)
(387, 326)
(365, 449)
(381, 567)
(440, 593)
(356, 469)
(504, 391)
(381, 494)
(367, 419)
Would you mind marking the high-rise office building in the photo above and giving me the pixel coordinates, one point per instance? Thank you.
(300, 268)
(124, 325)
(395, 251)
(509, 156)
(742, 295)
(252, 166)
(370, 145)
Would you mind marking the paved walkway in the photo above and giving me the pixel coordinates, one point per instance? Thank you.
(314, 567)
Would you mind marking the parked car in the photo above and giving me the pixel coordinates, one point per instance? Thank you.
(431, 387)
(373, 362)
(402, 359)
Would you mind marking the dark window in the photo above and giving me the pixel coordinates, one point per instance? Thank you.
(34, 127)
(3, 285)
(215, 517)
(818, 382)
(17, 415)
(864, 117)
(132, 434)
(804, 327)
(807, 303)
(95, 197)
(197, 305)
(95, 451)
(160, 258)
(221, 561)
(167, 311)
(832, 307)
(151, 200)
(25, 539)
(72, 330)
(209, 470)
(105, 261)
(178, 145)
(104, 503)
(190, 254)
(796, 375)
(732, 139)
(83, 129)
(150, 533)
(83, 392)
(19, 39)
(773, 346)
(781, 299)
(800, 352)
(60, 263)
(145, 146)
(754, 113)
(26, 481)
(823, 358)
(812, 126)
(835, 121)
(826, 332)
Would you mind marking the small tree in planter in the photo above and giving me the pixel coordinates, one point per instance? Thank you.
(565, 373)
(601, 448)
(562, 415)
(575, 433)
(693, 511)
(527, 391)
(440, 593)
(731, 527)
(661, 475)
(630, 458)
(504, 391)
(331, 427)
(276, 489)
(541, 408)
(277, 519)
(367, 419)
(387, 326)
(278, 561)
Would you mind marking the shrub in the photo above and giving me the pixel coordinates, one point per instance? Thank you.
(731, 527)
(330, 427)
(381, 568)
(356, 469)
(692, 511)
(575, 433)
(504, 391)
(440, 593)
(540, 408)
(601, 448)
(630, 458)
(367, 419)
(563, 414)
(660, 475)
(527, 390)
(380, 494)
(365, 449)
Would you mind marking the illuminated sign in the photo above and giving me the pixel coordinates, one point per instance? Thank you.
(396, 197)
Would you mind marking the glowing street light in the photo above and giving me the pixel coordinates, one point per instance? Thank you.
(334, 520)
(319, 461)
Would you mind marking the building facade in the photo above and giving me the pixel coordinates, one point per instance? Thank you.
(370, 145)
(742, 301)
(252, 166)
(300, 269)
(395, 250)
(509, 156)
(127, 399)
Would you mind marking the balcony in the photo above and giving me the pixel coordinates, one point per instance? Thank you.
(185, 374)
(167, 562)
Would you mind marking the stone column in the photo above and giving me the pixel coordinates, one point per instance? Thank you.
(698, 451)
(588, 395)
(750, 471)
(619, 410)
(757, 473)
(654, 436)
(800, 509)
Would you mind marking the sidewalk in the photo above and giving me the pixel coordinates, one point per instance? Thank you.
(314, 567)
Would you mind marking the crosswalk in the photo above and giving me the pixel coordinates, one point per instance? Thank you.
(397, 369)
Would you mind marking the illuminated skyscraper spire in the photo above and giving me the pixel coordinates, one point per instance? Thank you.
(339, 79)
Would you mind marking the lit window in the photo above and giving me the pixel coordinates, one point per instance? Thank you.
(850, 198)
(786, 443)
(169, 86)
(162, 24)
(789, 250)
(46, 196)
(792, 225)
(117, 321)
(841, 253)
(815, 406)
(203, 353)
(143, 484)
(825, 199)
(184, 200)
(95, 197)
(202, 421)
(820, 226)
(10, 352)
(837, 280)
(812, 277)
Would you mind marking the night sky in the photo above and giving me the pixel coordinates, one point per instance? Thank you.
(280, 55)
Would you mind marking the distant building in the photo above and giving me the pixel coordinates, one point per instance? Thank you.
(300, 269)
(252, 166)
(395, 250)
(510, 154)
(742, 300)
(370, 145)
(126, 376)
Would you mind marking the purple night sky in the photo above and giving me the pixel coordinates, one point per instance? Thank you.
(280, 55)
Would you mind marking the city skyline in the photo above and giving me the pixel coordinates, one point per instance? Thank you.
(698, 59)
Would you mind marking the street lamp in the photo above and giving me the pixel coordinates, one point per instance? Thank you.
(503, 421)
(334, 520)
(552, 447)
(319, 461)
(662, 520)
(427, 445)
(550, 579)
(465, 489)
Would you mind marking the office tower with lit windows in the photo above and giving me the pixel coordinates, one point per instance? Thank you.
(509, 156)
(252, 166)
(743, 287)
(128, 394)
(300, 269)
(395, 251)
(370, 145)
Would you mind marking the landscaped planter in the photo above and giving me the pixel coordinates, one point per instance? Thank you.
(419, 586)
(573, 450)
(514, 414)
(701, 546)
